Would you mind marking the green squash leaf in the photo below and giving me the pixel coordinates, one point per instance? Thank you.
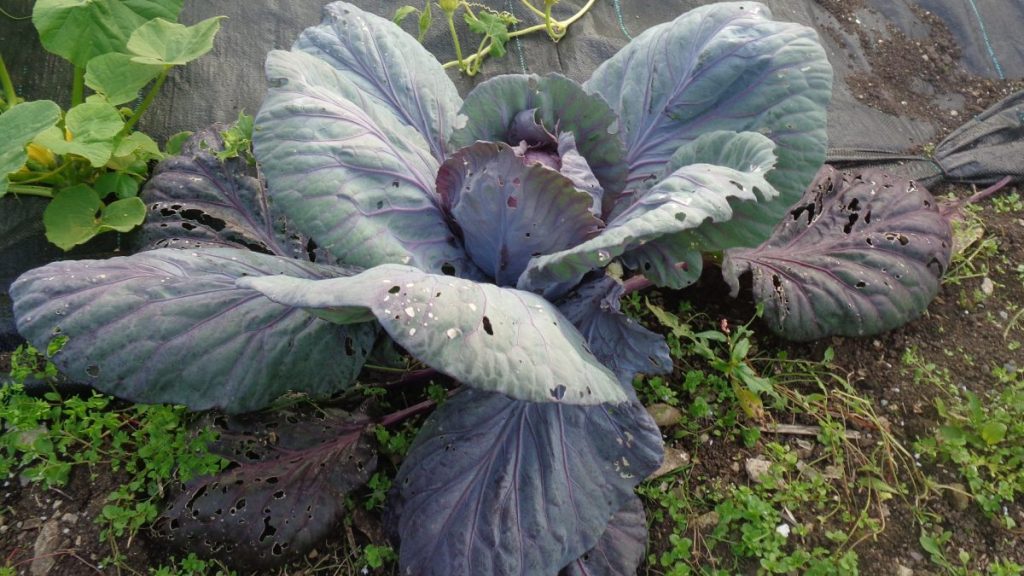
(80, 30)
(122, 215)
(18, 127)
(93, 127)
(76, 214)
(491, 26)
(117, 183)
(401, 13)
(118, 78)
(138, 144)
(164, 43)
(71, 217)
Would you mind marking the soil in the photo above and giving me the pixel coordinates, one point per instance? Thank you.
(920, 78)
(902, 67)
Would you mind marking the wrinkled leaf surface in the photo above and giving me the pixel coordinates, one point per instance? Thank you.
(487, 337)
(858, 255)
(172, 326)
(293, 469)
(725, 66)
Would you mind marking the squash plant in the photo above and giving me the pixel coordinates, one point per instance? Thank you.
(88, 159)
(490, 238)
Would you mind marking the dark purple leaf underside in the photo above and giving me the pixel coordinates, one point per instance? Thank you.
(858, 255)
(196, 200)
(285, 493)
(618, 341)
(494, 485)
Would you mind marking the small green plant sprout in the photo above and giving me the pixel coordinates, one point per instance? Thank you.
(982, 438)
(494, 28)
(88, 160)
(726, 350)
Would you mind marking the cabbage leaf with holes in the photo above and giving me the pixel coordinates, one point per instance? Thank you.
(477, 234)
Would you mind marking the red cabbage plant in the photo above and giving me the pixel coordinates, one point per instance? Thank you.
(476, 234)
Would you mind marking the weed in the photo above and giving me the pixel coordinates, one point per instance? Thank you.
(191, 565)
(1007, 203)
(972, 249)
(43, 438)
(982, 436)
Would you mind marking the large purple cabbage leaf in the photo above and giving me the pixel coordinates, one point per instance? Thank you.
(491, 338)
(348, 172)
(285, 489)
(172, 326)
(389, 68)
(497, 486)
(858, 255)
(725, 66)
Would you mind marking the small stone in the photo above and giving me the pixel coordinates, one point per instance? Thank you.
(783, 530)
(674, 460)
(804, 449)
(987, 286)
(664, 416)
(917, 556)
(69, 518)
(903, 571)
(833, 472)
(47, 542)
(30, 524)
(706, 520)
(954, 113)
(958, 497)
(756, 468)
(735, 467)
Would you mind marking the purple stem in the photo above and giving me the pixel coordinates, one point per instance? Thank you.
(635, 284)
(401, 415)
(949, 210)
